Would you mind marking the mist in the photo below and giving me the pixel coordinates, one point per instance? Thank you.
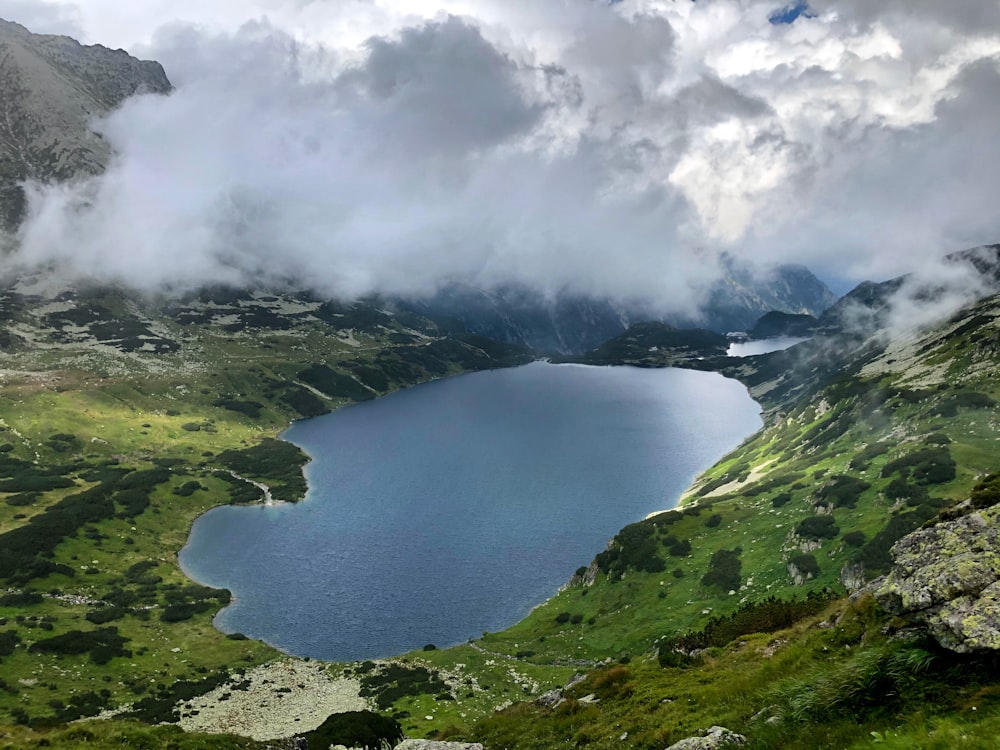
(614, 150)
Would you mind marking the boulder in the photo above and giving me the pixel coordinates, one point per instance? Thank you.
(716, 738)
(947, 578)
(435, 745)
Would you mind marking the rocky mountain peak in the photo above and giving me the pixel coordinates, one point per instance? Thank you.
(51, 89)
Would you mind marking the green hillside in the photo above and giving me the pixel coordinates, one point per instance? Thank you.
(122, 421)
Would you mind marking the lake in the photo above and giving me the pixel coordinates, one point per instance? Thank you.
(453, 507)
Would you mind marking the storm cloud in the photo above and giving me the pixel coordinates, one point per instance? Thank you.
(611, 149)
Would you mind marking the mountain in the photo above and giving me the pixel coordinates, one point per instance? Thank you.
(572, 324)
(866, 307)
(51, 89)
(832, 581)
(777, 323)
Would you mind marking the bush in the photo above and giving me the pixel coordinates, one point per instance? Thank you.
(782, 499)
(806, 564)
(723, 570)
(926, 466)
(563, 617)
(766, 616)
(8, 642)
(103, 644)
(333, 383)
(185, 611)
(21, 599)
(356, 729)
(842, 491)
(389, 682)
(817, 527)
(854, 538)
(248, 408)
(713, 521)
(633, 547)
(875, 555)
(105, 614)
(681, 549)
(986, 492)
(962, 400)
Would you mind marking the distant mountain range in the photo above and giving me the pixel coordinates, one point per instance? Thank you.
(52, 88)
(572, 324)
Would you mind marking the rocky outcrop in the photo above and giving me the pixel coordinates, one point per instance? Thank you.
(435, 745)
(716, 738)
(947, 577)
(51, 89)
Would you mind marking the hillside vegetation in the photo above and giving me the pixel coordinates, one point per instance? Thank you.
(124, 421)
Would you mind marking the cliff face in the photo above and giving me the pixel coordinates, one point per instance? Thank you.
(51, 89)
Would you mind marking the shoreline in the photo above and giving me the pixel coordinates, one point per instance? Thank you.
(530, 607)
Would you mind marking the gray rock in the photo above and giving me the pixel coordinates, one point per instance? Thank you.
(947, 578)
(550, 699)
(51, 88)
(716, 738)
(435, 745)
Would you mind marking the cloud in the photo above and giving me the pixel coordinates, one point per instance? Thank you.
(615, 149)
(43, 17)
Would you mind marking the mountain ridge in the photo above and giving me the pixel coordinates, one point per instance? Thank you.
(51, 90)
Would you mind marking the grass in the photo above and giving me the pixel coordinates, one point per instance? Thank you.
(134, 411)
(137, 409)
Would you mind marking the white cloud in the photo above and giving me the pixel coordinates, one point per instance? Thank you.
(611, 148)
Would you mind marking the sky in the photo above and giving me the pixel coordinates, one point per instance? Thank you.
(607, 148)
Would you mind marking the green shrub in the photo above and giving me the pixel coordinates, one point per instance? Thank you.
(854, 538)
(681, 549)
(248, 408)
(782, 499)
(926, 466)
(765, 616)
(387, 683)
(817, 527)
(842, 491)
(356, 729)
(103, 644)
(806, 564)
(724, 570)
(986, 492)
(333, 383)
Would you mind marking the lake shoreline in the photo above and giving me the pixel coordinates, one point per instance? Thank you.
(524, 609)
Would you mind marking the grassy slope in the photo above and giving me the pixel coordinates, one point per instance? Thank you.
(912, 391)
(620, 617)
(131, 410)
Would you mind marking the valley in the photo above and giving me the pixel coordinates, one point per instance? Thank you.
(310, 220)
(129, 446)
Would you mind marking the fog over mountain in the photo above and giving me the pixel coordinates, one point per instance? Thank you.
(611, 149)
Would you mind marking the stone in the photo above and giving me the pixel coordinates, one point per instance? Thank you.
(435, 745)
(716, 738)
(947, 578)
(551, 699)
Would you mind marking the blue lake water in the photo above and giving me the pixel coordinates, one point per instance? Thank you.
(451, 508)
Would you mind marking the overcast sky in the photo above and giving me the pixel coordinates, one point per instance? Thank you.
(611, 148)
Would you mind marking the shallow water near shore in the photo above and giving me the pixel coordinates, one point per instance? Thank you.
(454, 507)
